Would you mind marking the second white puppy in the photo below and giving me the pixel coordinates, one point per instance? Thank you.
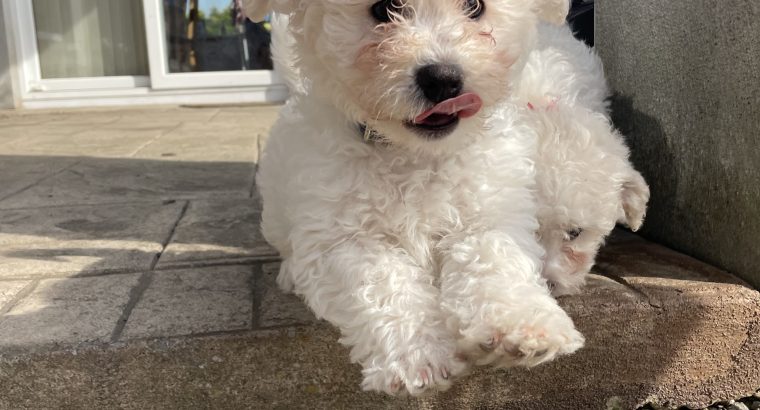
(585, 183)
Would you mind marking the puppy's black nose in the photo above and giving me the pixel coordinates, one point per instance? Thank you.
(439, 82)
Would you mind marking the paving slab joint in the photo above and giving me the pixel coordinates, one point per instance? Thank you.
(135, 295)
(38, 181)
(23, 293)
(154, 139)
(257, 295)
(170, 236)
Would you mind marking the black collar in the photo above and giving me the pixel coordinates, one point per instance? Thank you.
(370, 135)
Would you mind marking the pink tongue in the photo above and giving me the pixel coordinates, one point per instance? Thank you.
(466, 105)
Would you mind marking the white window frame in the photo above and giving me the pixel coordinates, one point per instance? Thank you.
(30, 73)
(160, 76)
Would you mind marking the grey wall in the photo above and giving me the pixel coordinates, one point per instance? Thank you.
(687, 78)
(6, 83)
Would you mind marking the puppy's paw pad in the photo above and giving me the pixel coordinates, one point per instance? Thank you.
(520, 343)
(492, 343)
(396, 385)
(434, 377)
(403, 378)
(542, 341)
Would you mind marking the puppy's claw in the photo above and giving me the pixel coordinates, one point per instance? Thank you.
(491, 344)
(425, 378)
(396, 385)
(514, 351)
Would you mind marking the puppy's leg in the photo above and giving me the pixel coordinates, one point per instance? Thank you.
(499, 306)
(387, 309)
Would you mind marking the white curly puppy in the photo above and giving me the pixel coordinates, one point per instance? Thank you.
(397, 186)
(585, 182)
(585, 185)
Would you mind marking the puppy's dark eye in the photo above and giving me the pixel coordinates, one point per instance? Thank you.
(573, 234)
(474, 8)
(383, 10)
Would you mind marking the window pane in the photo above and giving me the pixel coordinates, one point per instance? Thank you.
(90, 38)
(213, 35)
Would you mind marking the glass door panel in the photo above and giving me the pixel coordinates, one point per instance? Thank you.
(213, 35)
(90, 38)
(206, 43)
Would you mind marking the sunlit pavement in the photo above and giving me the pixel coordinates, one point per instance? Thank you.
(133, 275)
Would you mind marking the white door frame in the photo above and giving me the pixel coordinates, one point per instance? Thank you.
(160, 76)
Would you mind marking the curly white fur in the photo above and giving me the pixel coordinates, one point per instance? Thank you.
(421, 251)
(585, 182)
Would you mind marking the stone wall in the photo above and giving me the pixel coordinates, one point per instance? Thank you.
(687, 80)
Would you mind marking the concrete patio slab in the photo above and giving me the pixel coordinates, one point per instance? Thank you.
(16, 117)
(63, 117)
(195, 301)
(182, 309)
(700, 343)
(87, 240)
(165, 125)
(254, 119)
(168, 114)
(9, 290)
(90, 141)
(100, 180)
(12, 132)
(278, 309)
(189, 142)
(217, 231)
(22, 172)
(66, 311)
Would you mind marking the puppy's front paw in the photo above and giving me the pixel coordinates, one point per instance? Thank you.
(419, 371)
(524, 336)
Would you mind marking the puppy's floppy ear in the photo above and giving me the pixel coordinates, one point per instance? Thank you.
(256, 10)
(634, 196)
(553, 11)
